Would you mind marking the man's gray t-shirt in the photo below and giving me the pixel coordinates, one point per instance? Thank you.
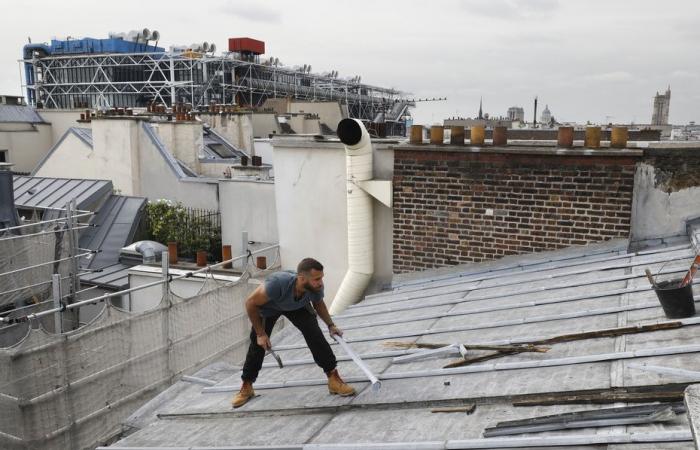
(279, 288)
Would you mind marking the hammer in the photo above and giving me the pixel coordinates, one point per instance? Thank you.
(277, 358)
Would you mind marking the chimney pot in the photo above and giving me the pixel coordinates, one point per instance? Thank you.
(437, 135)
(457, 135)
(226, 255)
(619, 137)
(416, 134)
(565, 137)
(592, 139)
(477, 136)
(500, 136)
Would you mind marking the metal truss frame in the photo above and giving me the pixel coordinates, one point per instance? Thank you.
(135, 79)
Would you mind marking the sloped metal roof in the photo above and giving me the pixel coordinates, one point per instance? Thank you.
(114, 277)
(54, 193)
(83, 133)
(19, 114)
(516, 300)
(115, 224)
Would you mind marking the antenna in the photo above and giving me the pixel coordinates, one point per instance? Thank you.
(534, 116)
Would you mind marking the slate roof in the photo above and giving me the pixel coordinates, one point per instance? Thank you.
(514, 300)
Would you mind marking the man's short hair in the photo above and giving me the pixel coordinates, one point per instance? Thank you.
(308, 264)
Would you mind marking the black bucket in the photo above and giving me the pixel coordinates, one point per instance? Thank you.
(677, 302)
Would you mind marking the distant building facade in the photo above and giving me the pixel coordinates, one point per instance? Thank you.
(516, 113)
(661, 105)
(546, 116)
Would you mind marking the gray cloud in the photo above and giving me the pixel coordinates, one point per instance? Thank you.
(682, 73)
(512, 9)
(617, 76)
(252, 10)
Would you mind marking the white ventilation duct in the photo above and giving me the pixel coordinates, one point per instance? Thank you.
(145, 35)
(358, 160)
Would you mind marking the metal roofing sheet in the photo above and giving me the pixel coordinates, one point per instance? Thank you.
(18, 113)
(54, 193)
(114, 277)
(115, 224)
(577, 293)
(83, 133)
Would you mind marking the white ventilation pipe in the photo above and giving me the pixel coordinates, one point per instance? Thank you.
(358, 161)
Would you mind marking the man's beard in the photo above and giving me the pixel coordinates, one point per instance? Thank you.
(310, 288)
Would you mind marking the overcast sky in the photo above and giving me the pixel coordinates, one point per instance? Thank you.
(597, 60)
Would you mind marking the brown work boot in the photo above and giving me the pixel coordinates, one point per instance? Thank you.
(245, 394)
(336, 385)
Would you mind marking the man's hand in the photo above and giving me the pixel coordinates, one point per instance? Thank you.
(264, 341)
(334, 330)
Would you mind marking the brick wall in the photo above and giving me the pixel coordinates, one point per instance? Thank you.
(453, 207)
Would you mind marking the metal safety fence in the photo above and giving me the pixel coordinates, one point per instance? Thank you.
(75, 389)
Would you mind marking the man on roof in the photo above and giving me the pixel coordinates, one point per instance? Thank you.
(292, 295)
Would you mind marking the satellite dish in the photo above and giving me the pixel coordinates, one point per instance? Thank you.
(205, 46)
(146, 34)
(212, 48)
(155, 35)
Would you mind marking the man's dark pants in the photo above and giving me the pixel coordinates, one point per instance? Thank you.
(307, 323)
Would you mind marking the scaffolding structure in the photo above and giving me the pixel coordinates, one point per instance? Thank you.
(103, 81)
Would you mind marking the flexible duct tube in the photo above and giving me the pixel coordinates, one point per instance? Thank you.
(358, 160)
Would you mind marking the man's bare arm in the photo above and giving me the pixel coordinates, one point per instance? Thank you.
(252, 306)
(323, 313)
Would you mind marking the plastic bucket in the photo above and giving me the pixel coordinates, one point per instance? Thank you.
(677, 302)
